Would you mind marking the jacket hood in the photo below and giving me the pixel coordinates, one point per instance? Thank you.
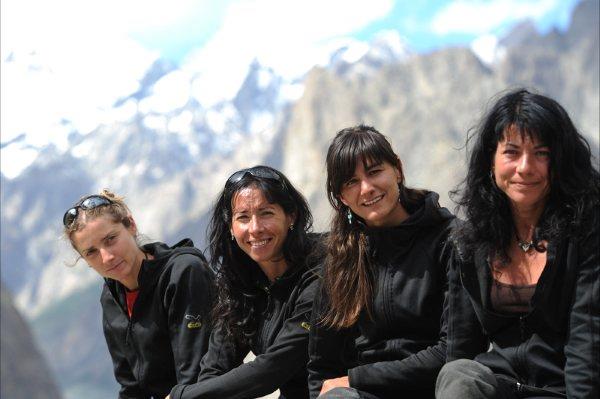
(424, 214)
(151, 268)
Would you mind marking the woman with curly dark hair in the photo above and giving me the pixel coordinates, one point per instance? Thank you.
(261, 248)
(378, 328)
(526, 273)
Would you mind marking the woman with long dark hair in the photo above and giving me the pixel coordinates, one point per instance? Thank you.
(526, 275)
(378, 327)
(262, 251)
(156, 299)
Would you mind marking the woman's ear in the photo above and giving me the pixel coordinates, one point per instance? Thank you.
(342, 200)
(291, 218)
(132, 227)
(400, 173)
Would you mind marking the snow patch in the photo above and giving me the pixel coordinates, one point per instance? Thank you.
(486, 48)
(15, 158)
(82, 149)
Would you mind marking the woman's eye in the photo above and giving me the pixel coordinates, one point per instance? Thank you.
(374, 171)
(90, 253)
(350, 182)
(241, 218)
(543, 153)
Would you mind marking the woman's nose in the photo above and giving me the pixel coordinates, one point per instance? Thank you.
(255, 225)
(106, 255)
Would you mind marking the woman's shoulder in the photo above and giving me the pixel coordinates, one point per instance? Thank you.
(182, 258)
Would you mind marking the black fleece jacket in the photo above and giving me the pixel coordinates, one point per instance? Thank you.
(167, 335)
(556, 346)
(403, 347)
(280, 345)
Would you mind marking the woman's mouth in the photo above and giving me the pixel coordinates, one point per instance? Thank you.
(259, 243)
(373, 201)
(114, 267)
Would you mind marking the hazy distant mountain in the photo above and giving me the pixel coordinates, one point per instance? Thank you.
(170, 160)
(24, 372)
(427, 103)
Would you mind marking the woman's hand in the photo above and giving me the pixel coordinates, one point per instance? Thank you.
(334, 383)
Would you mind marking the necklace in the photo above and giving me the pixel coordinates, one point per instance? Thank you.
(524, 245)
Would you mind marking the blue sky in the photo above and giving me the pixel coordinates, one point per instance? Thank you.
(412, 19)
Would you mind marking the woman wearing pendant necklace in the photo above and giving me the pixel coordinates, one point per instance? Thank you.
(526, 271)
(156, 299)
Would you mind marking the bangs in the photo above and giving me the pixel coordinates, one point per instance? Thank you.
(530, 122)
(273, 191)
(369, 149)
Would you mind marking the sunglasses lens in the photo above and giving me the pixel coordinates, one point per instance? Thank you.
(265, 173)
(93, 202)
(261, 172)
(89, 203)
(237, 176)
(69, 216)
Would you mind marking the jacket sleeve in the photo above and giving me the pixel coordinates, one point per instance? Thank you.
(123, 374)
(330, 351)
(268, 371)
(465, 336)
(582, 350)
(188, 302)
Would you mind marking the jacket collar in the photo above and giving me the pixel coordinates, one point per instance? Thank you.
(424, 214)
(151, 269)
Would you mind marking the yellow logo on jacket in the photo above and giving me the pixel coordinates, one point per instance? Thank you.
(195, 322)
(305, 325)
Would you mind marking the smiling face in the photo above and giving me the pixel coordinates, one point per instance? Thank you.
(260, 229)
(372, 193)
(521, 169)
(110, 249)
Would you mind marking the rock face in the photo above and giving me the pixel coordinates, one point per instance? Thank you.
(25, 374)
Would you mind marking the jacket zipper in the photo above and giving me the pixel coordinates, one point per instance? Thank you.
(266, 320)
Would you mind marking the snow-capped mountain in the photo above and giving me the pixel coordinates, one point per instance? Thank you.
(357, 58)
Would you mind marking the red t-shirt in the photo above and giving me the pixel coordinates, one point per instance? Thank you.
(131, 296)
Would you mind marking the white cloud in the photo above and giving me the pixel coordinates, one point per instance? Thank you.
(288, 36)
(480, 17)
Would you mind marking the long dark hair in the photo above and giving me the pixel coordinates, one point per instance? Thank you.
(574, 182)
(236, 285)
(349, 274)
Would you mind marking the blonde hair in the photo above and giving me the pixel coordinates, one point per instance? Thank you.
(117, 210)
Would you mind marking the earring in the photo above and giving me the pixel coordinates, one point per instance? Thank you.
(493, 178)
(349, 216)
(292, 227)
(232, 237)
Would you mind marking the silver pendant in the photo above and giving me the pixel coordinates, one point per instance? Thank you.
(525, 246)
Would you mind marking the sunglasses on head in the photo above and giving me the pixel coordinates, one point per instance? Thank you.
(257, 171)
(91, 202)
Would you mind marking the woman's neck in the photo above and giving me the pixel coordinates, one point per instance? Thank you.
(273, 268)
(131, 283)
(525, 220)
